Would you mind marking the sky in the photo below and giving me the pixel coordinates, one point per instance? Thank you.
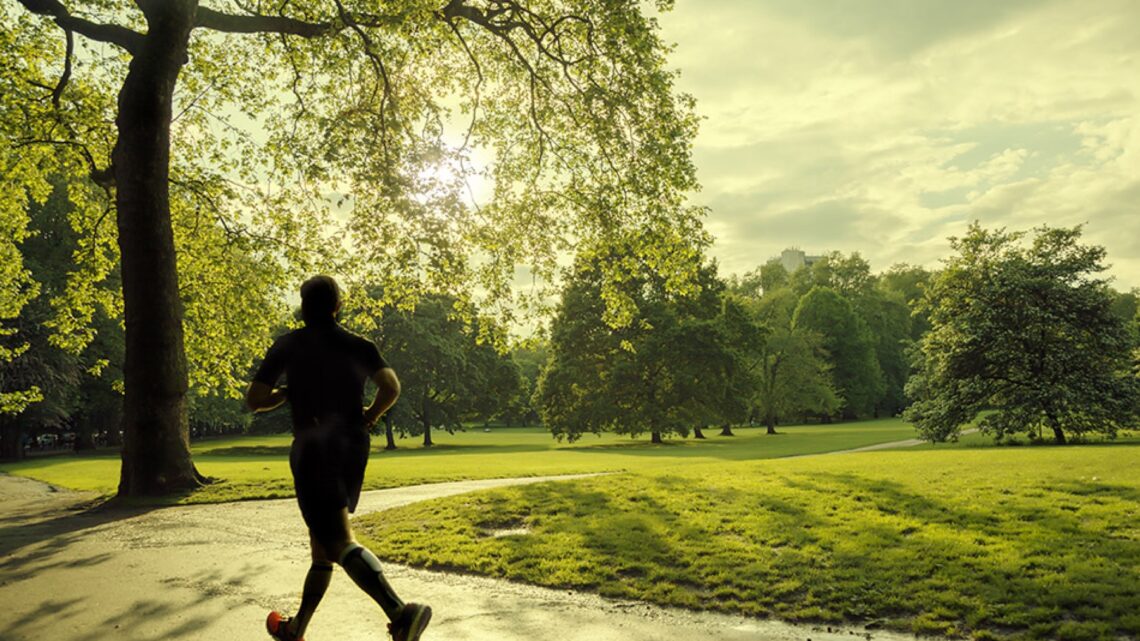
(886, 126)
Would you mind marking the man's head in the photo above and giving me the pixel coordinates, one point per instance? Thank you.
(320, 300)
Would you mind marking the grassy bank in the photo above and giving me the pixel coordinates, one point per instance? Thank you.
(257, 467)
(984, 543)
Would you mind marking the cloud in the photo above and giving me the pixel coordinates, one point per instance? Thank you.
(886, 129)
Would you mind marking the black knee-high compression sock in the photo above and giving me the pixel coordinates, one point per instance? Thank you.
(364, 568)
(316, 583)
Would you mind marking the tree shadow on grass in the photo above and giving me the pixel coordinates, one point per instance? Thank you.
(727, 448)
(444, 448)
(279, 451)
(438, 449)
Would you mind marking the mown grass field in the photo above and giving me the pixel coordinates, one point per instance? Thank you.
(962, 539)
(257, 467)
(980, 542)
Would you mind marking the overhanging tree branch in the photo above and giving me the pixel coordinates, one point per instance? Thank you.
(110, 33)
(230, 23)
(57, 93)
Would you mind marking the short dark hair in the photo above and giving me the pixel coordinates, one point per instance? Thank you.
(320, 296)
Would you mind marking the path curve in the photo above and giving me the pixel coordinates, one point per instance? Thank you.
(211, 572)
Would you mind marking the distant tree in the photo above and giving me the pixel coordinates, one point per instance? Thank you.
(749, 285)
(773, 276)
(572, 102)
(793, 376)
(495, 382)
(909, 282)
(37, 364)
(850, 347)
(1125, 305)
(570, 394)
(98, 417)
(529, 357)
(850, 276)
(714, 354)
(217, 415)
(448, 374)
(428, 348)
(1025, 329)
(887, 316)
(661, 371)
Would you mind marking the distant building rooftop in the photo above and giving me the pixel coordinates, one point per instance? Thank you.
(794, 259)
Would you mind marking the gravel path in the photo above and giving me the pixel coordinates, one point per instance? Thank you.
(211, 572)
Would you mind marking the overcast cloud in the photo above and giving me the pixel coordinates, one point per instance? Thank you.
(884, 126)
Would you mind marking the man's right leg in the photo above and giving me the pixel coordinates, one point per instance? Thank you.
(316, 584)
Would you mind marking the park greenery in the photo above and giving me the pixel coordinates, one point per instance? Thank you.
(983, 543)
(257, 466)
(229, 179)
(1028, 332)
(173, 169)
(965, 539)
(238, 150)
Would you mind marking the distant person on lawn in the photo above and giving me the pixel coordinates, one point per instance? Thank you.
(325, 367)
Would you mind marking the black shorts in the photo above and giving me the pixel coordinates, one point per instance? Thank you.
(328, 472)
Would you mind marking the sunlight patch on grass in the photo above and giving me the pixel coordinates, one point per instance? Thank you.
(257, 467)
(1024, 543)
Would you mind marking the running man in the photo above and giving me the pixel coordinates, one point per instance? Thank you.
(325, 367)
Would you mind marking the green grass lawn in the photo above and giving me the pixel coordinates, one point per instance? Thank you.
(257, 467)
(1039, 542)
(978, 440)
(964, 539)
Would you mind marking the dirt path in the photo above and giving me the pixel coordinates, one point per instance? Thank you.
(910, 442)
(211, 572)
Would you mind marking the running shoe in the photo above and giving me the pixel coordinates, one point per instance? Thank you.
(278, 627)
(410, 624)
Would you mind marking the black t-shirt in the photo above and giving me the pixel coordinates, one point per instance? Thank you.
(325, 367)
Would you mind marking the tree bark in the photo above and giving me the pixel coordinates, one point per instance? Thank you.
(1055, 425)
(156, 445)
(388, 432)
(770, 421)
(726, 430)
(697, 433)
(427, 426)
(11, 439)
(657, 438)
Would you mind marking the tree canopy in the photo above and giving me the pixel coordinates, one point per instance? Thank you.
(422, 146)
(850, 345)
(669, 368)
(792, 372)
(1023, 327)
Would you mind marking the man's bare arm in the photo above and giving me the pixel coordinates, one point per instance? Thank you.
(387, 391)
(262, 398)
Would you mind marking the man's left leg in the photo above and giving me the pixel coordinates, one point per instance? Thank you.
(361, 565)
(408, 620)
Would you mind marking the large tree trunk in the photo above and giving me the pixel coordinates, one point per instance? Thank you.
(1058, 436)
(698, 433)
(656, 438)
(11, 439)
(427, 426)
(388, 432)
(1055, 425)
(770, 422)
(726, 430)
(156, 446)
